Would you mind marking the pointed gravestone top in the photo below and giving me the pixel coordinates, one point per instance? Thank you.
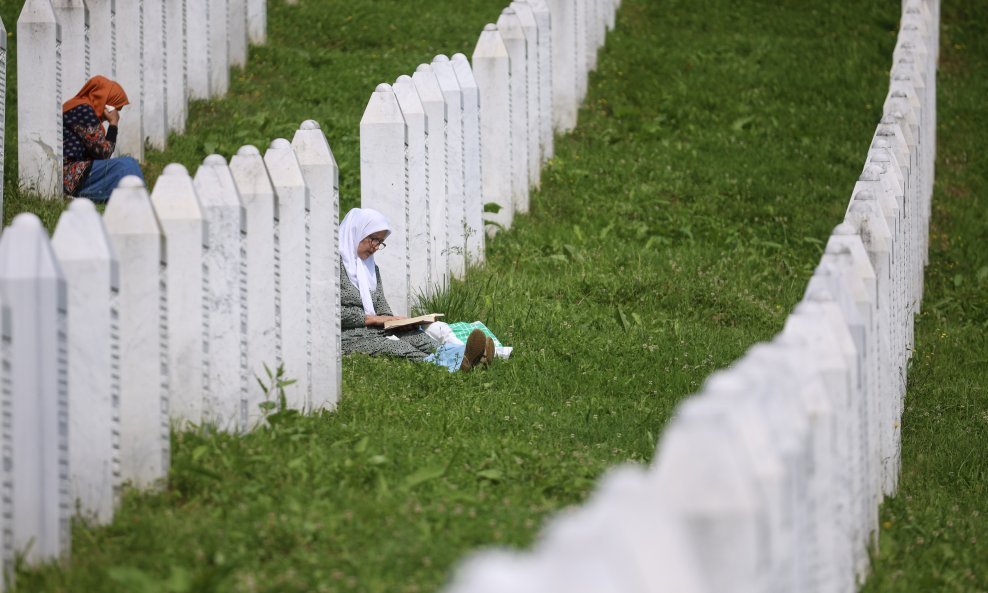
(490, 44)
(214, 160)
(280, 144)
(129, 210)
(248, 150)
(870, 173)
(311, 146)
(174, 195)
(309, 124)
(404, 78)
(440, 58)
(25, 251)
(81, 234)
(490, 27)
(37, 11)
(459, 58)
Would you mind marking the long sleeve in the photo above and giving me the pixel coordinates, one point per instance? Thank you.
(380, 303)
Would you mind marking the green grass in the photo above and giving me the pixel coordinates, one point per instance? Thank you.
(676, 227)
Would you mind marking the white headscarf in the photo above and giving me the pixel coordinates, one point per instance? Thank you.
(356, 226)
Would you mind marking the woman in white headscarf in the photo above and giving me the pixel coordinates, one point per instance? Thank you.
(363, 306)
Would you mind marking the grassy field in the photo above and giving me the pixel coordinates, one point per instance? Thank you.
(676, 227)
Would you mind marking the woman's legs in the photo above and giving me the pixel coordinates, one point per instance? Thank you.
(105, 174)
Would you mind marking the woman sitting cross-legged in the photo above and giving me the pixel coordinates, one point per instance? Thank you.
(365, 310)
(88, 170)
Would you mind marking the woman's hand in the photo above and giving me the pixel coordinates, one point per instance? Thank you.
(112, 117)
(380, 319)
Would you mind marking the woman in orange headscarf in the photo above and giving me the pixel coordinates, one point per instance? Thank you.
(87, 170)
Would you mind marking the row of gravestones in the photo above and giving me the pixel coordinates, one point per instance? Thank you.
(162, 311)
(163, 53)
(769, 479)
(452, 140)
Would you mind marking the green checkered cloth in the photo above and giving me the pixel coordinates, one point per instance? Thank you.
(462, 329)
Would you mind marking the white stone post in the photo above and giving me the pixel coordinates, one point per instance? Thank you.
(257, 21)
(197, 47)
(3, 128)
(384, 187)
(90, 265)
(544, 20)
(176, 64)
(226, 278)
(6, 452)
(417, 234)
(154, 73)
(436, 168)
(130, 75)
(238, 33)
(39, 100)
(219, 49)
(706, 481)
(103, 39)
(263, 273)
(582, 49)
(34, 289)
(530, 28)
(181, 218)
(296, 270)
(491, 69)
(145, 449)
(73, 18)
(456, 229)
(509, 26)
(564, 99)
(473, 180)
(323, 180)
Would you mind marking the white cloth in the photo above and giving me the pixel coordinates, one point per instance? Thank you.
(441, 332)
(355, 227)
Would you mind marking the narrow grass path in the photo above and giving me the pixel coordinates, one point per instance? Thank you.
(935, 532)
(677, 226)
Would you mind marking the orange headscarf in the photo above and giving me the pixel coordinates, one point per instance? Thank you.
(99, 91)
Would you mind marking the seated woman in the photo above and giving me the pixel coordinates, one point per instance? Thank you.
(364, 308)
(87, 170)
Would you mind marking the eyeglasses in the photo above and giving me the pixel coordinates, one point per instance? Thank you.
(376, 243)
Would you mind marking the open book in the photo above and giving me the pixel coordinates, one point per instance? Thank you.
(411, 321)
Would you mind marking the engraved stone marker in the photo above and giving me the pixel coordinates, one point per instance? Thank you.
(33, 288)
(91, 272)
(531, 30)
(473, 181)
(455, 167)
(73, 18)
(491, 68)
(436, 167)
(140, 245)
(176, 64)
(322, 178)
(511, 31)
(295, 252)
(226, 279)
(181, 218)
(384, 187)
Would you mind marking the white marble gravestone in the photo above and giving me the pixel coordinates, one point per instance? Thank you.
(155, 76)
(73, 18)
(530, 27)
(436, 169)
(6, 451)
(3, 117)
(181, 218)
(564, 101)
(621, 539)
(296, 271)
(321, 175)
(708, 485)
(263, 272)
(90, 265)
(544, 20)
(491, 68)
(34, 289)
(226, 280)
(102, 37)
(384, 172)
(238, 33)
(582, 34)
(39, 75)
(473, 170)
(257, 21)
(197, 46)
(130, 75)
(219, 49)
(417, 232)
(176, 64)
(137, 238)
(513, 36)
(456, 228)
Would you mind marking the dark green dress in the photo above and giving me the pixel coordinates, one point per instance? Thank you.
(357, 337)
